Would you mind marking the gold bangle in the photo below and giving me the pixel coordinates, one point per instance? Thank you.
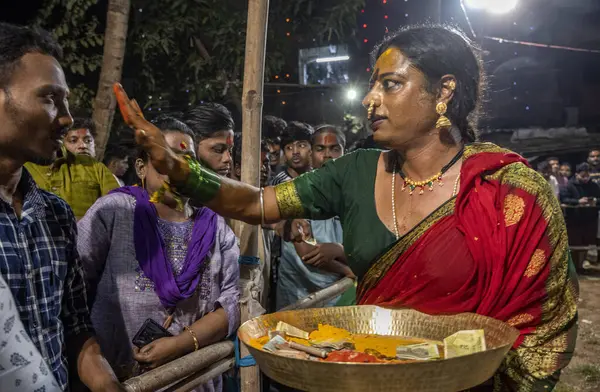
(262, 206)
(288, 200)
(196, 344)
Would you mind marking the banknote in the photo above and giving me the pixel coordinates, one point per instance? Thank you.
(418, 352)
(290, 330)
(273, 343)
(464, 343)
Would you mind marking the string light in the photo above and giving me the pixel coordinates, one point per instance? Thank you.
(278, 91)
(287, 75)
(365, 26)
(365, 40)
(385, 17)
(368, 69)
(276, 76)
(283, 102)
(287, 20)
(526, 107)
(362, 11)
(384, 1)
(288, 33)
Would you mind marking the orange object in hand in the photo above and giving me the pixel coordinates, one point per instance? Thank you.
(126, 105)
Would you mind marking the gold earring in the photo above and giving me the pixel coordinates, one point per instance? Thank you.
(451, 85)
(370, 109)
(443, 121)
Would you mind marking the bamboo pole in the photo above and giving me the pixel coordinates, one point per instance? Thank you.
(179, 368)
(252, 102)
(203, 377)
(322, 296)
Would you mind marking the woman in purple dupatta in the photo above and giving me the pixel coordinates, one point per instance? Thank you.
(160, 260)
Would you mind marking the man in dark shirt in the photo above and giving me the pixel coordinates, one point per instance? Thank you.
(594, 162)
(581, 195)
(38, 256)
(297, 151)
(272, 131)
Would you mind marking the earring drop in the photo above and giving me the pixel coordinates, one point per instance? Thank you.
(443, 121)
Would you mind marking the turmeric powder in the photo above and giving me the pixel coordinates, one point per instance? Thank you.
(384, 345)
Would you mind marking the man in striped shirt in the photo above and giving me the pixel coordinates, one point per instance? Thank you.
(38, 255)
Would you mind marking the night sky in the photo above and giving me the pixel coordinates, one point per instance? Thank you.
(528, 86)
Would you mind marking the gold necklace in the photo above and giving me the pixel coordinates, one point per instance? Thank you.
(411, 184)
(404, 225)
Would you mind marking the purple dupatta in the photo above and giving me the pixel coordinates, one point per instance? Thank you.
(151, 254)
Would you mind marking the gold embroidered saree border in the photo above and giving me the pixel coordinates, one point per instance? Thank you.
(385, 262)
(542, 353)
(479, 147)
(288, 200)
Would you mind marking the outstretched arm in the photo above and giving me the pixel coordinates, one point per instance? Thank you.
(229, 198)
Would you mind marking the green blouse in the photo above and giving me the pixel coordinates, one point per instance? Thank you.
(344, 187)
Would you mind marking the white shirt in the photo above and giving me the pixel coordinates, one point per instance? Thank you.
(22, 367)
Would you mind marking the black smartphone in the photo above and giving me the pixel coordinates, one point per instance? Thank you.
(150, 331)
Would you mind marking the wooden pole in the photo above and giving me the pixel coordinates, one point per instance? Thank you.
(203, 377)
(179, 368)
(252, 102)
(115, 37)
(319, 298)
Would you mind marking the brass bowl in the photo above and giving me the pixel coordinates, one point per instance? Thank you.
(455, 374)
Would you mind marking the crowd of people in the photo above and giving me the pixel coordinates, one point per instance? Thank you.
(89, 258)
(578, 193)
(88, 255)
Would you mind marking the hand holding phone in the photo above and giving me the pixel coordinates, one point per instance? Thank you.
(149, 332)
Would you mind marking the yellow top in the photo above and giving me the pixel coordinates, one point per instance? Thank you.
(78, 179)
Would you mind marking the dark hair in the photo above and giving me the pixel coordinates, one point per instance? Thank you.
(553, 159)
(169, 123)
(544, 167)
(166, 124)
(207, 119)
(326, 128)
(115, 151)
(566, 164)
(296, 131)
(17, 41)
(582, 167)
(593, 149)
(273, 128)
(237, 148)
(438, 50)
(84, 123)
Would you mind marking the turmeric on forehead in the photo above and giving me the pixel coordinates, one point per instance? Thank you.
(391, 58)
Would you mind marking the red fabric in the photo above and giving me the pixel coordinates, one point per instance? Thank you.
(471, 261)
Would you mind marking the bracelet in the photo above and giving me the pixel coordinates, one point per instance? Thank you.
(262, 206)
(196, 344)
(202, 185)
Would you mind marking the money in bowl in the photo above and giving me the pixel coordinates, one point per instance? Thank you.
(369, 348)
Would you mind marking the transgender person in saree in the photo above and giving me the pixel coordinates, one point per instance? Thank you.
(439, 223)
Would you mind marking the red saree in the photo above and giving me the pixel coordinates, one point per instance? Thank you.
(499, 249)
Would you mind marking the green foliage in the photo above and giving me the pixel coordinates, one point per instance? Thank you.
(77, 29)
(184, 51)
